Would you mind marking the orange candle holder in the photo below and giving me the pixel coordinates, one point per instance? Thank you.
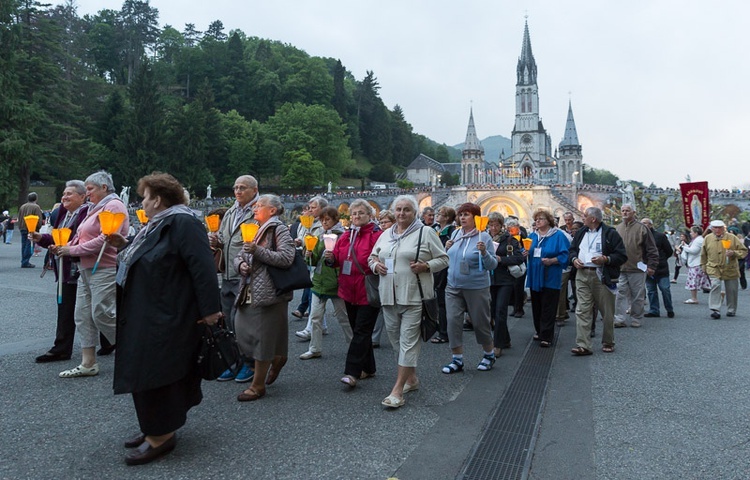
(61, 236)
(249, 230)
(307, 221)
(526, 243)
(31, 222)
(141, 213)
(212, 222)
(310, 242)
(110, 221)
(481, 222)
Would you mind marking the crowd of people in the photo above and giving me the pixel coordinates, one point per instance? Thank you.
(148, 293)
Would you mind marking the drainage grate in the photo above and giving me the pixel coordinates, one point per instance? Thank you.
(504, 449)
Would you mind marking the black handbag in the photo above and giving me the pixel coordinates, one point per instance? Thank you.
(219, 352)
(295, 277)
(372, 284)
(428, 324)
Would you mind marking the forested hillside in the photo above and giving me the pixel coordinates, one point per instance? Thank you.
(118, 91)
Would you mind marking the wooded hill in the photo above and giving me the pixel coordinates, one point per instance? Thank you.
(117, 91)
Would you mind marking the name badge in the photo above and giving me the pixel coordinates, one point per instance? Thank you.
(537, 252)
(346, 268)
(389, 265)
(464, 267)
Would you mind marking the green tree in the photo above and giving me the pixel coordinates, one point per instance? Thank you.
(374, 122)
(401, 133)
(596, 176)
(302, 171)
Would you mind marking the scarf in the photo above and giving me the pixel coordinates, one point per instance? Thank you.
(125, 258)
(396, 237)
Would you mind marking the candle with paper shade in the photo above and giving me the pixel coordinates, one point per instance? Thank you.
(329, 239)
(212, 222)
(726, 243)
(526, 242)
(248, 231)
(109, 222)
(60, 236)
(142, 216)
(31, 221)
(310, 242)
(307, 221)
(481, 222)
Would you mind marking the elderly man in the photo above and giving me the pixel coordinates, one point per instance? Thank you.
(660, 278)
(597, 252)
(229, 240)
(643, 258)
(27, 247)
(428, 217)
(719, 256)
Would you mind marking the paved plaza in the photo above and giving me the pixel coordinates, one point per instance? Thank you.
(670, 403)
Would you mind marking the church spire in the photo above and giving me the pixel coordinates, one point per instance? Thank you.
(472, 142)
(570, 140)
(526, 69)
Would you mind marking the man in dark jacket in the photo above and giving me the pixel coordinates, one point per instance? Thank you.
(597, 252)
(660, 278)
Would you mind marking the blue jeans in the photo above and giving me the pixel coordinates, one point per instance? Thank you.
(27, 248)
(653, 297)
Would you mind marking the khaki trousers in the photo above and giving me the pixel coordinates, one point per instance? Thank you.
(591, 292)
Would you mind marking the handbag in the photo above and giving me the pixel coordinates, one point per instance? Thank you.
(428, 324)
(218, 353)
(517, 271)
(372, 285)
(294, 277)
(219, 260)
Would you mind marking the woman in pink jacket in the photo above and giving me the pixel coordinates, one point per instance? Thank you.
(95, 298)
(350, 255)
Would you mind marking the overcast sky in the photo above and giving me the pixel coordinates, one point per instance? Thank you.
(659, 88)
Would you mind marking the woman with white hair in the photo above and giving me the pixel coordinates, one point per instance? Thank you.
(95, 297)
(405, 257)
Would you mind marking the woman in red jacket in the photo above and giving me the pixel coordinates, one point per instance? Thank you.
(350, 255)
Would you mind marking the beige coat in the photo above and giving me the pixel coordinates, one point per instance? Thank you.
(400, 288)
(714, 259)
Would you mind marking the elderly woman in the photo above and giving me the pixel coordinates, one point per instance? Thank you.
(350, 255)
(468, 288)
(95, 297)
(386, 219)
(70, 214)
(261, 322)
(325, 287)
(507, 252)
(547, 256)
(168, 288)
(404, 257)
(446, 216)
(691, 254)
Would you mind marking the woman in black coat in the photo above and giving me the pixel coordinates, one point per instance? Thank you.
(167, 289)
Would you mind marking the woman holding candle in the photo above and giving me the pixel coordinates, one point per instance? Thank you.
(325, 284)
(548, 256)
(404, 257)
(168, 288)
(468, 288)
(261, 322)
(70, 214)
(95, 297)
(350, 255)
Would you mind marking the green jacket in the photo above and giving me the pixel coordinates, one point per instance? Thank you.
(325, 279)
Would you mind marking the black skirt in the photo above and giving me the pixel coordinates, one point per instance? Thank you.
(163, 410)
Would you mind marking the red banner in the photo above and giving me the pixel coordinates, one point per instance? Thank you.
(695, 204)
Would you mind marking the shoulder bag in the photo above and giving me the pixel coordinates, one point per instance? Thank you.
(295, 277)
(428, 324)
(218, 351)
(372, 285)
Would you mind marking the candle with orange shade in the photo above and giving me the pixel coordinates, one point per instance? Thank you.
(31, 222)
(142, 216)
(212, 222)
(310, 242)
(526, 242)
(109, 222)
(249, 230)
(60, 236)
(480, 222)
(307, 221)
(726, 243)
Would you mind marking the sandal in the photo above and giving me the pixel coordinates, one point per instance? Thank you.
(80, 371)
(349, 380)
(608, 348)
(485, 365)
(453, 367)
(249, 395)
(411, 387)
(439, 340)
(273, 372)
(391, 401)
(580, 351)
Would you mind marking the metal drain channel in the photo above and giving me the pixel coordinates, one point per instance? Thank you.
(505, 447)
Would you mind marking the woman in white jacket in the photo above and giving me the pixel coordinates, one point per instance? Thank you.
(691, 256)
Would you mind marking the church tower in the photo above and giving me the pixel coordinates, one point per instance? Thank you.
(570, 162)
(531, 160)
(472, 156)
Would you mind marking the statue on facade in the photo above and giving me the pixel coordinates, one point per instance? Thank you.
(329, 187)
(208, 192)
(125, 195)
(627, 193)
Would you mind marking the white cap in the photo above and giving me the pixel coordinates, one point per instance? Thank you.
(5, 212)
(717, 223)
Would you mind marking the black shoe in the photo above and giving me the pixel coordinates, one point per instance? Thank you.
(730, 314)
(518, 314)
(706, 290)
(145, 453)
(136, 441)
(28, 265)
(652, 315)
(670, 314)
(715, 315)
(592, 334)
(51, 357)
(468, 327)
(103, 351)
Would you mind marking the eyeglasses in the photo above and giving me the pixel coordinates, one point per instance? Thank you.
(240, 188)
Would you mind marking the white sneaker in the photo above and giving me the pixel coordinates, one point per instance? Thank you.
(81, 371)
(308, 355)
(303, 334)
